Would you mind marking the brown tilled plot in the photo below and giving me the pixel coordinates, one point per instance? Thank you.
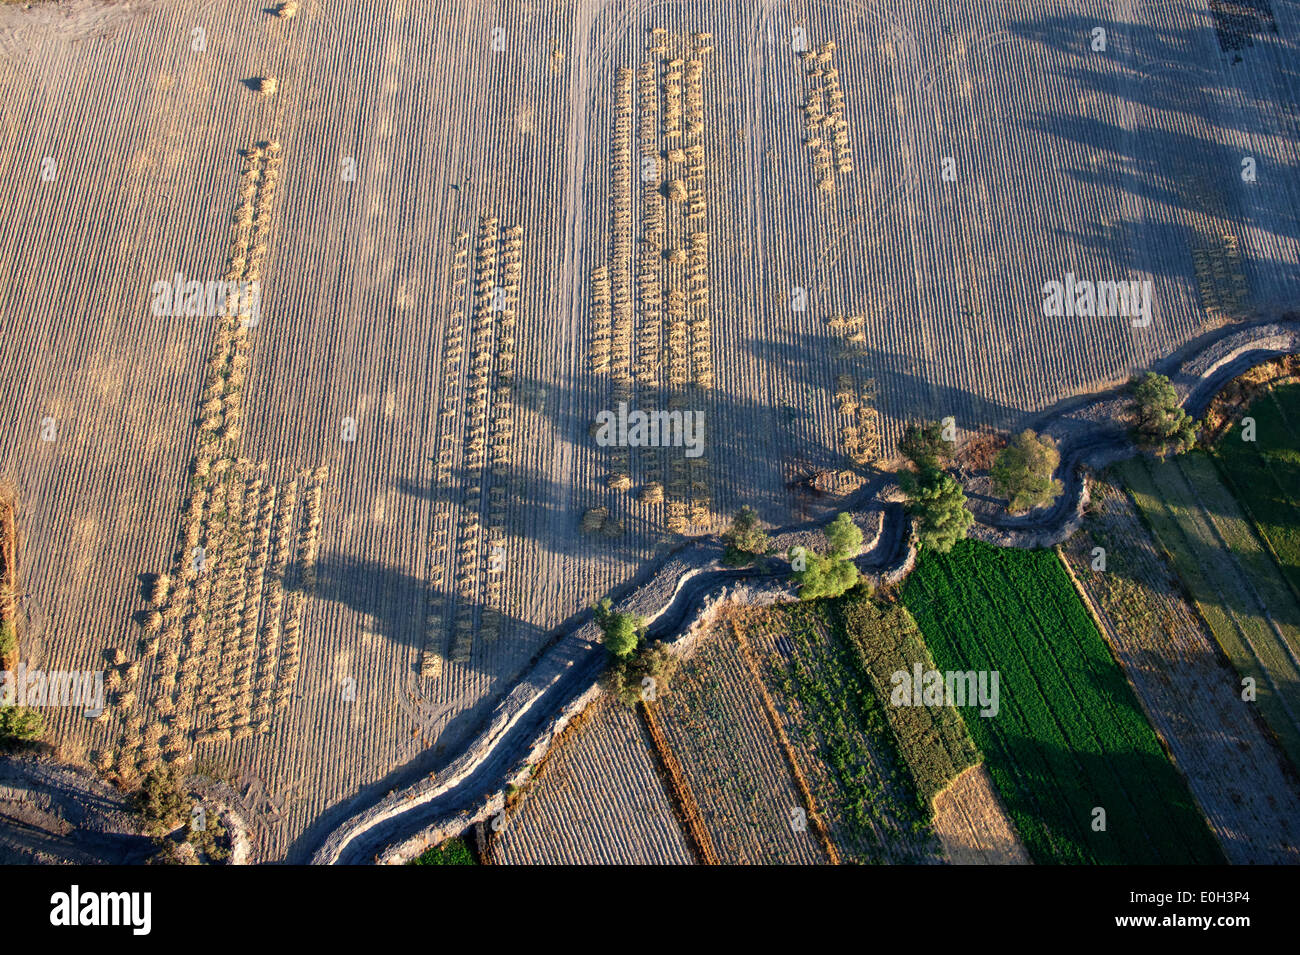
(716, 728)
(596, 800)
(972, 824)
(476, 226)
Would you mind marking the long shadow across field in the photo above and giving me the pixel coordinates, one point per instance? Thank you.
(1168, 73)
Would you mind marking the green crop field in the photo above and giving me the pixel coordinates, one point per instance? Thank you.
(933, 741)
(451, 852)
(1235, 584)
(1069, 736)
(1264, 474)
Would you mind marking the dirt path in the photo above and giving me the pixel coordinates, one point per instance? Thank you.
(54, 814)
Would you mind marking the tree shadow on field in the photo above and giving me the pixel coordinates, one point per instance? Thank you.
(932, 401)
(1169, 80)
(753, 451)
(545, 512)
(397, 605)
(1150, 816)
(435, 718)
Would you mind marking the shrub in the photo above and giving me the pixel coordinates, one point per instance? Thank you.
(212, 843)
(452, 852)
(745, 539)
(627, 678)
(1023, 471)
(163, 801)
(20, 725)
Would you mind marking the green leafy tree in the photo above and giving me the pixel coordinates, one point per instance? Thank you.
(622, 630)
(1023, 471)
(745, 539)
(1161, 426)
(939, 504)
(825, 577)
(620, 635)
(844, 537)
(20, 725)
(923, 445)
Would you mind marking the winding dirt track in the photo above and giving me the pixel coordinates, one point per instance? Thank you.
(692, 582)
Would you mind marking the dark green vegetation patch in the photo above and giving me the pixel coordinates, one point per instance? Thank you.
(452, 852)
(1069, 736)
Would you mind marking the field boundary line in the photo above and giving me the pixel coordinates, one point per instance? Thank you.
(9, 576)
(679, 790)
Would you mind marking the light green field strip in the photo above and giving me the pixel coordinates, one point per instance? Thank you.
(1226, 578)
(1264, 475)
(1262, 575)
(1221, 593)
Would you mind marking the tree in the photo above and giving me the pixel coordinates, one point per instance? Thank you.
(745, 539)
(20, 725)
(1161, 426)
(844, 537)
(163, 800)
(939, 504)
(1023, 471)
(923, 445)
(825, 577)
(632, 659)
(643, 675)
(620, 634)
(622, 630)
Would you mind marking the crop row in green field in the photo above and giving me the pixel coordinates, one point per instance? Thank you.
(1264, 474)
(1068, 737)
(933, 741)
(1235, 584)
